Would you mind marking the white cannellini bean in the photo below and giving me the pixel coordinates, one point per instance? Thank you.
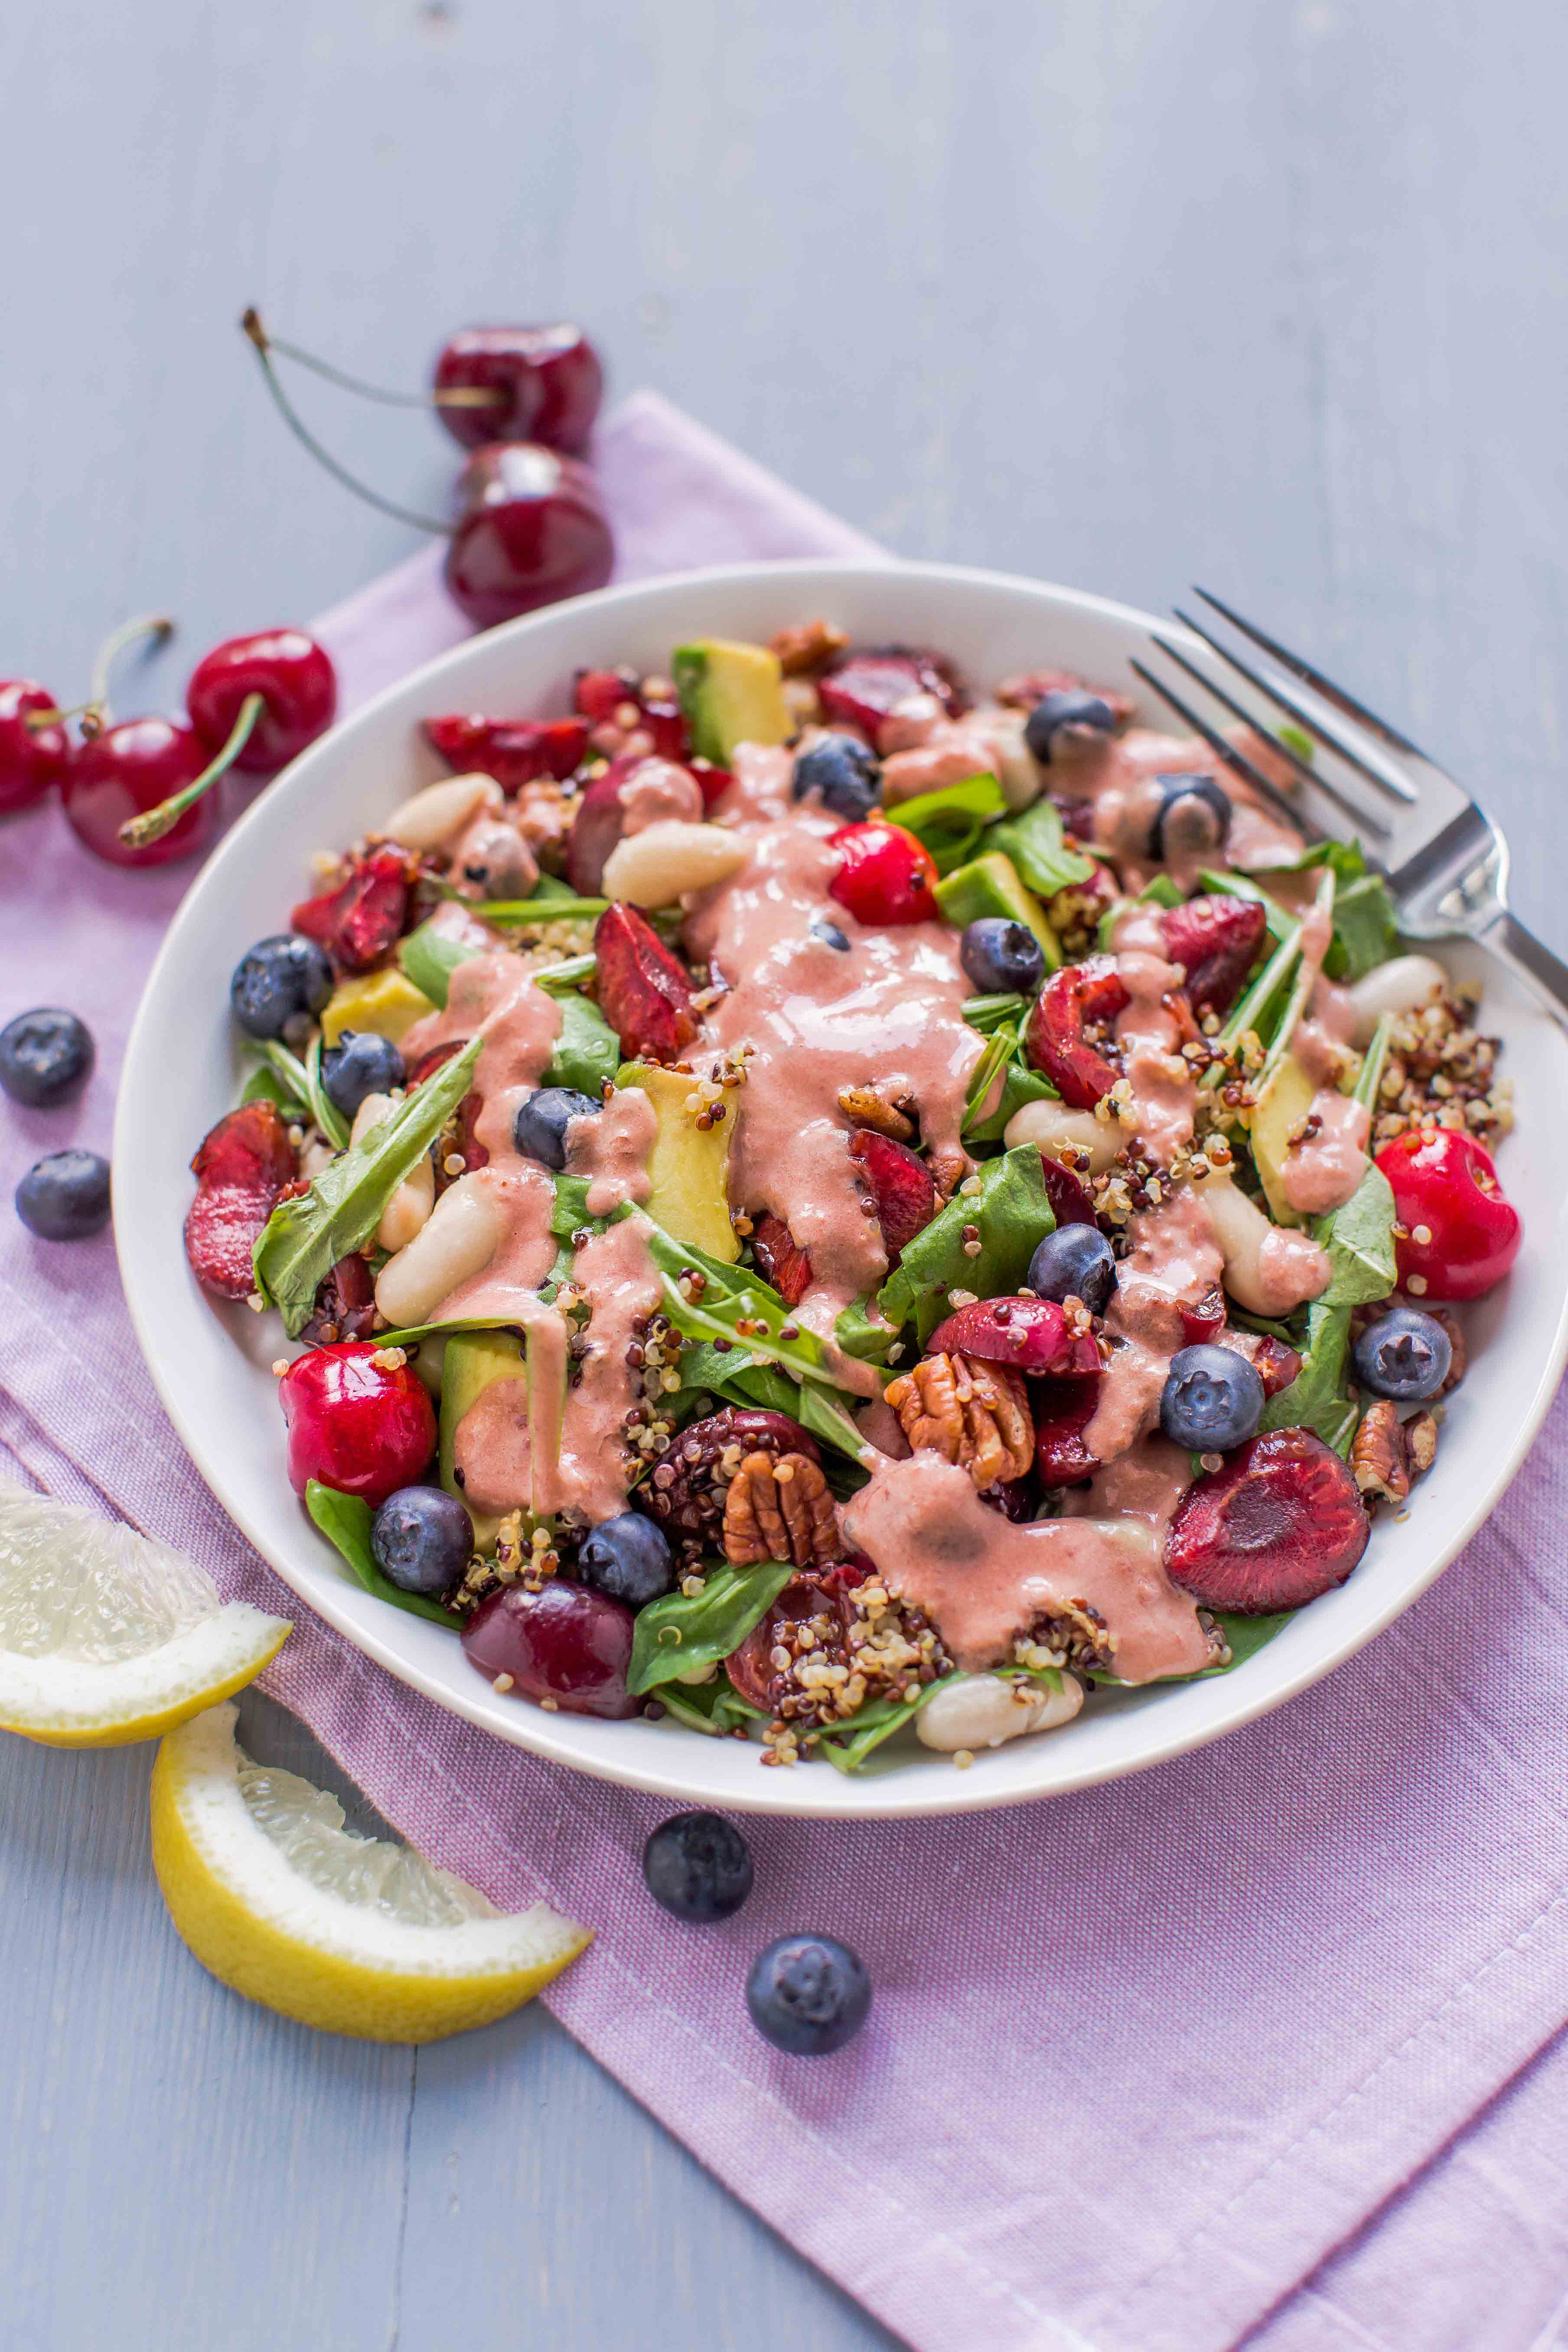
(1397, 987)
(1267, 1269)
(433, 818)
(459, 1239)
(654, 867)
(983, 1710)
(409, 1208)
(1061, 1132)
(1018, 771)
(316, 1156)
(370, 1113)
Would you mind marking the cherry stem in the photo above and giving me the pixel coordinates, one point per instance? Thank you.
(37, 721)
(137, 831)
(457, 395)
(156, 625)
(252, 323)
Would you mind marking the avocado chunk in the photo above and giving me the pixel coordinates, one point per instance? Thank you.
(386, 1002)
(731, 693)
(688, 1165)
(990, 885)
(475, 1362)
(1282, 1104)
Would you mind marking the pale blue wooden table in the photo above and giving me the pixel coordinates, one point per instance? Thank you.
(1123, 292)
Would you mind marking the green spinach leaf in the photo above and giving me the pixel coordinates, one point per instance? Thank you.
(1365, 931)
(1010, 1214)
(1359, 1238)
(1034, 842)
(1316, 1398)
(303, 1238)
(715, 1707)
(679, 1631)
(344, 1520)
(950, 822)
(587, 1050)
(429, 958)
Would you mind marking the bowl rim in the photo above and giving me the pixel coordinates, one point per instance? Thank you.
(787, 1794)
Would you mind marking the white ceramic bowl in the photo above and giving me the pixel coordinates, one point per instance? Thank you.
(210, 1364)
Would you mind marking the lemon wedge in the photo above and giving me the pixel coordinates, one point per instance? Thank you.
(106, 1636)
(353, 1935)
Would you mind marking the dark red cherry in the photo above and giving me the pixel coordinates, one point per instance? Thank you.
(32, 759)
(547, 382)
(129, 770)
(566, 1643)
(532, 530)
(299, 690)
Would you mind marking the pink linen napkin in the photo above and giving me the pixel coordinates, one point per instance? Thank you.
(1142, 2058)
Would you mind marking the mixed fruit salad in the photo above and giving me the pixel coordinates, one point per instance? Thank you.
(808, 1199)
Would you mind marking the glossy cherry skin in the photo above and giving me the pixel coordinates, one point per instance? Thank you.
(354, 1424)
(532, 530)
(565, 1643)
(549, 378)
(1445, 1185)
(296, 679)
(31, 760)
(885, 876)
(128, 769)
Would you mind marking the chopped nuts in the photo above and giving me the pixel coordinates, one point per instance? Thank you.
(1387, 1452)
(865, 1107)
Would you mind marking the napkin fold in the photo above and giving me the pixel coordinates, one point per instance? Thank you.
(1219, 2049)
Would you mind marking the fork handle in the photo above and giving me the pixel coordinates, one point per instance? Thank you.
(1546, 974)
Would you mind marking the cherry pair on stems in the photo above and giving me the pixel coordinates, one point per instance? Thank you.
(139, 793)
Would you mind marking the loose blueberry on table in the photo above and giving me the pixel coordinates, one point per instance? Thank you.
(897, 1183)
(46, 1058)
(698, 1867)
(808, 1995)
(65, 1197)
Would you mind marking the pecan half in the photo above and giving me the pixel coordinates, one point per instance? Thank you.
(949, 1167)
(973, 1413)
(1387, 1452)
(807, 646)
(865, 1107)
(779, 1510)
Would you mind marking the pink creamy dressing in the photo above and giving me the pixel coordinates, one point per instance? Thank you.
(1173, 1262)
(983, 1581)
(819, 1019)
(656, 792)
(1149, 1034)
(1323, 1172)
(611, 1147)
(926, 750)
(1119, 780)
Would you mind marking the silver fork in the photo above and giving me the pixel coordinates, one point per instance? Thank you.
(1444, 859)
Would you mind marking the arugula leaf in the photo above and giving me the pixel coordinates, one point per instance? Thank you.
(677, 1632)
(304, 1237)
(714, 1707)
(587, 1050)
(329, 1119)
(549, 886)
(1345, 858)
(1161, 892)
(281, 1080)
(429, 958)
(1034, 842)
(344, 1520)
(858, 1736)
(1011, 1215)
(987, 1014)
(1365, 931)
(535, 909)
(570, 1213)
(569, 974)
(950, 822)
(1000, 1048)
(1316, 1398)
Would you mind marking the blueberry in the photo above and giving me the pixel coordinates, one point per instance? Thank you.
(1213, 1400)
(846, 774)
(539, 1131)
(999, 956)
(1085, 713)
(1075, 1262)
(281, 979)
(698, 1867)
(822, 930)
(422, 1538)
(1203, 824)
(808, 1995)
(627, 1557)
(46, 1056)
(360, 1064)
(1404, 1355)
(65, 1198)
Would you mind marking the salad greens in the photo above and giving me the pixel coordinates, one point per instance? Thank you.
(950, 822)
(345, 1520)
(1010, 1216)
(587, 1050)
(330, 1121)
(429, 958)
(683, 1631)
(280, 1078)
(304, 1238)
(1033, 842)
(1316, 1398)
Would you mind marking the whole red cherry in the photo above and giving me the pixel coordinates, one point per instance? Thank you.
(546, 383)
(885, 874)
(532, 530)
(567, 1644)
(363, 1427)
(32, 759)
(298, 685)
(1460, 1232)
(124, 772)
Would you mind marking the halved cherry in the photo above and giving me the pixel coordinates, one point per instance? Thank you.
(644, 990)
(241, 1167)
(360, 921)
(1031, 1334)
(1456, 1232)
(902, 1185)
(1063, 1409)
(597, 827)
(1071, 1000)
(815, 1594)
(780, 1258)
(1216, 940)
(885, 874)
(515, 751)
(865, 687)
(1281, 1523)
(1071, 1203)
(1203, 1322)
